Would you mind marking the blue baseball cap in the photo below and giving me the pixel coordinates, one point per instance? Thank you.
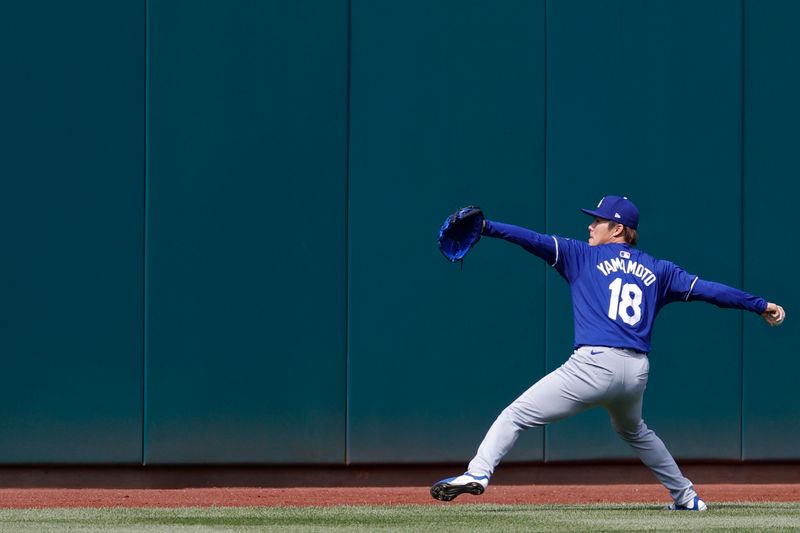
(616, 208)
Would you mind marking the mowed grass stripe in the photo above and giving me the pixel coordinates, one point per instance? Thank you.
(636, 517)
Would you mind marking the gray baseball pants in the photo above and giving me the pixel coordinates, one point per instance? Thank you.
(594, 375)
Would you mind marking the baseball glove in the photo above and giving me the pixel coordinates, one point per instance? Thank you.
(460, 232)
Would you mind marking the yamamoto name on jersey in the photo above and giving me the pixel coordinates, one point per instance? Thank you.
(626, 266)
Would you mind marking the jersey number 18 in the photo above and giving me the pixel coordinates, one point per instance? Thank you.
(629, 306)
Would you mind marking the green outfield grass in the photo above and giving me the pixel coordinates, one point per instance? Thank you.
(723, 517)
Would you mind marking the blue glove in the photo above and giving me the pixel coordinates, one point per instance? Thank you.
(460, 232)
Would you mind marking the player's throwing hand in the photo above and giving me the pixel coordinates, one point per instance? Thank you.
(774, 314)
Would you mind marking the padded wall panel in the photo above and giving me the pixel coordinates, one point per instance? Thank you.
(772, 111)
(246, 234)
(72, 147)
(447, 110)
(644, 100)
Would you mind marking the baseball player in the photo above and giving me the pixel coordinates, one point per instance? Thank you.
(617, 291)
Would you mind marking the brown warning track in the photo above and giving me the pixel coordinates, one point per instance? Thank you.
(327, 496)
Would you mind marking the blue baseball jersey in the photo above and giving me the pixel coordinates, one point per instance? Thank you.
(617, 290)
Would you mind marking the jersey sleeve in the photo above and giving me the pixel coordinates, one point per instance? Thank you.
(677, 284)
(539, 244)
(571, 257)
(727, 297)
(562, 254)
(681, 286)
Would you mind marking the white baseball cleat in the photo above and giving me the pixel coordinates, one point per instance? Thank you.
(447, 489)
(695, 504)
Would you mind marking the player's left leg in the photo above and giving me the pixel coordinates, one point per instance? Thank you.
(626, 417)
(577, 385)
(573, 387)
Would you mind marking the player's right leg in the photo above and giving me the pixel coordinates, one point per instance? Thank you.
(570, 389)
(626, 417)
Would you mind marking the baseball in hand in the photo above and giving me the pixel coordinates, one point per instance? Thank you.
(774, 314)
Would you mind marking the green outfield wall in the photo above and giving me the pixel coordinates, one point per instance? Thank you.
(221, 222)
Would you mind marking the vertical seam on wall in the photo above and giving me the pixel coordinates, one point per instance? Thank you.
(546, 229)
(145, 329)
(741, 236)
(347, 245)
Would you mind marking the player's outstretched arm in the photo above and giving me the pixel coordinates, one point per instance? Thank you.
(539, 244)
(774, 314)
(725, 296)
